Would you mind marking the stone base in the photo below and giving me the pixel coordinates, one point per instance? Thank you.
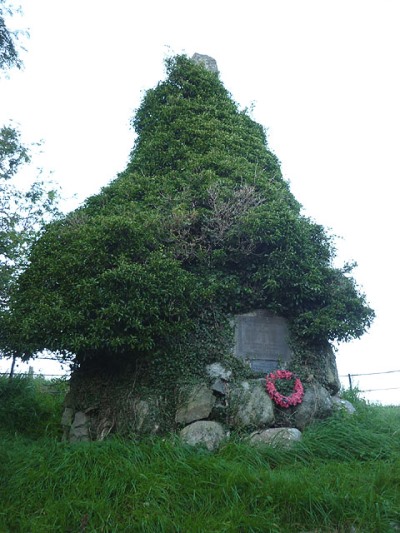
(98, 405)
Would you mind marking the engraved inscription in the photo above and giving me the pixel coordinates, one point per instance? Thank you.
(262, 338)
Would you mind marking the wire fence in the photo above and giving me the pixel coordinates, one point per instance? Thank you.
(351, 376)
(31, 372)
(348, 376)
(35, 374)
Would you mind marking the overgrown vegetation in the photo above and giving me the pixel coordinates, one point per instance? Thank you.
(23, 213)
(31, 407)
(9, 53)
(344, 476)
(201, 225)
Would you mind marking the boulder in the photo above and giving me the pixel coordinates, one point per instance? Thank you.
(204, 432)
(217, 371)
(276, 437)
(250, 406)
(343, 405)
(79, 430)
(219, 387)
(317, 404)
(196, 403)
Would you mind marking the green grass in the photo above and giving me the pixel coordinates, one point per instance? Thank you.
(31, 406)
(343, 477)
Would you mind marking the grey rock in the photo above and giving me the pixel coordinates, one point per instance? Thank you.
(79, 430)
(67, 417)
(217, 371)
(204, 432)
(208, 62)
(343, 405)
(330, 372)
(197, 403)
(66, 422)
(219, 387)
(250, 405)
(276, 437)
(146, 413)
(142, 410)
(317, 404)
(143, 415)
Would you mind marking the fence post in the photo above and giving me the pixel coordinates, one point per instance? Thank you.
(350, 382)
(14, 358)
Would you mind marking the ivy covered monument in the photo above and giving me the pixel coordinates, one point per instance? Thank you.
(139, 287)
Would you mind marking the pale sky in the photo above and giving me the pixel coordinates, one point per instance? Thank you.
(323, 75)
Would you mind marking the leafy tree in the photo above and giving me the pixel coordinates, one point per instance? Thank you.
(200, 225)
(8, 50)
(23, 212)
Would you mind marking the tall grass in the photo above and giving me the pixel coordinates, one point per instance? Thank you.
(343, 477)
(31, 406)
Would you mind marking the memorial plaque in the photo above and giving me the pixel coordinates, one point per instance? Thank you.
(262, 365)
(262, 338)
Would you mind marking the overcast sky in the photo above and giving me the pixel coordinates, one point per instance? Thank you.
(323, 77)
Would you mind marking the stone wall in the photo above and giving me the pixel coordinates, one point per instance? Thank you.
(210, 409)
(102, 401)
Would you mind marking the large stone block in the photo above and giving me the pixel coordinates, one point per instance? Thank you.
(343, 405)
(276, 437)
(250, 406)
(196, 403)
(330, 376)
(317, 404)
(146, 415)
(204, 432)
(79, 430)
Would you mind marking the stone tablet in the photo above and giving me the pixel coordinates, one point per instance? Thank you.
(262, 339)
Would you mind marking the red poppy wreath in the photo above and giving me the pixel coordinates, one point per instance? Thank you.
(284, 401)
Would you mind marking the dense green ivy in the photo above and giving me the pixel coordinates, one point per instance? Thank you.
(200, 224)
